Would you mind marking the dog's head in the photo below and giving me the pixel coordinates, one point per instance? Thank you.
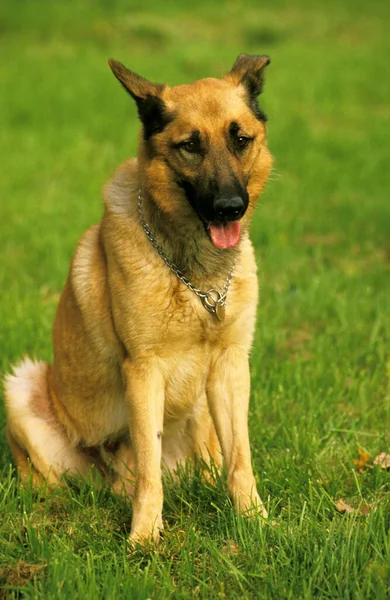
(203, 151)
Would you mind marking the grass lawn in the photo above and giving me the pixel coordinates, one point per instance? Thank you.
(321, 361)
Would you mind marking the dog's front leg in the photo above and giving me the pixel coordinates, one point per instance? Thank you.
(228, 397)
(145, 397)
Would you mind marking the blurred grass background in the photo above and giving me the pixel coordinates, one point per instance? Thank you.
(321, 361)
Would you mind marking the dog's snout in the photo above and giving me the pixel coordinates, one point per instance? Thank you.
(229, 209)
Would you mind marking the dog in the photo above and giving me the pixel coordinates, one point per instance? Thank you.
(156, 320)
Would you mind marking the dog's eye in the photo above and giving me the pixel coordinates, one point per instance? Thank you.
(242, 141)
(190, 146)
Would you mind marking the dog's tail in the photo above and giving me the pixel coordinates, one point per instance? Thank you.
(39, 443)
(27, 405)
(26, 380)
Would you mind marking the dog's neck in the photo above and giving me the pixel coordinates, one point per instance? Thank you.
(188, 246)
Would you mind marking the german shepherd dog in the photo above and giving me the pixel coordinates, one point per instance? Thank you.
(155, 322)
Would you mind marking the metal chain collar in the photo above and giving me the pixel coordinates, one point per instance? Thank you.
(212, 300)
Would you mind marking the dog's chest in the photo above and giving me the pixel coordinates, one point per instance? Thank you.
(164, 317)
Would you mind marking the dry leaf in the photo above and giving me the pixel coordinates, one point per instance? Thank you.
(361, 462)
(383, 460)
(230, 548)
(365, 509)
(343, 507)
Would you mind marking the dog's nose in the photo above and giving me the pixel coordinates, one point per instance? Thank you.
(229, 209)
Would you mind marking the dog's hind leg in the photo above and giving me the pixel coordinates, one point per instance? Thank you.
(35, 436)
(24, 465)
(121, 460)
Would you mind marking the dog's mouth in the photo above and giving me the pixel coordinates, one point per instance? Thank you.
(219, 215)
(224, 234)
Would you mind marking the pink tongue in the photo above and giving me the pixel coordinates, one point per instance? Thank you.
(225, 235)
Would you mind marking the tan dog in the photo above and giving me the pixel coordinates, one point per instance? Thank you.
(150, 366)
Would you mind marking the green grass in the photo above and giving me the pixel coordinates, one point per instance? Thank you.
(321, 360)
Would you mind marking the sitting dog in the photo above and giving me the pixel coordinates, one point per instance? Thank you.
(156, 319)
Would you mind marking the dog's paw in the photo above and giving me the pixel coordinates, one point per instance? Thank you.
(246, 499)
(252, 507)
(145, 533)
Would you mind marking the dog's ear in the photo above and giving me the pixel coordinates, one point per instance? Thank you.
(151, 107)
(249, 70)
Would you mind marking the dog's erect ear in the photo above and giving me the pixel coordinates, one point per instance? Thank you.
(151, 107)
(249, 70)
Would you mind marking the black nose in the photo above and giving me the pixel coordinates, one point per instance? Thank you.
(229, 209)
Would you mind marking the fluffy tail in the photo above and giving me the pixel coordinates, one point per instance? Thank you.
(26, 402)
(38, 441)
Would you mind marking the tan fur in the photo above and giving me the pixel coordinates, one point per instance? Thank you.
(143, 376)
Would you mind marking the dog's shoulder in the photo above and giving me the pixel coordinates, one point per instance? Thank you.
(122, 187)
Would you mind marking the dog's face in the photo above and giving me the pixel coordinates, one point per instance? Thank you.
(203, 146)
